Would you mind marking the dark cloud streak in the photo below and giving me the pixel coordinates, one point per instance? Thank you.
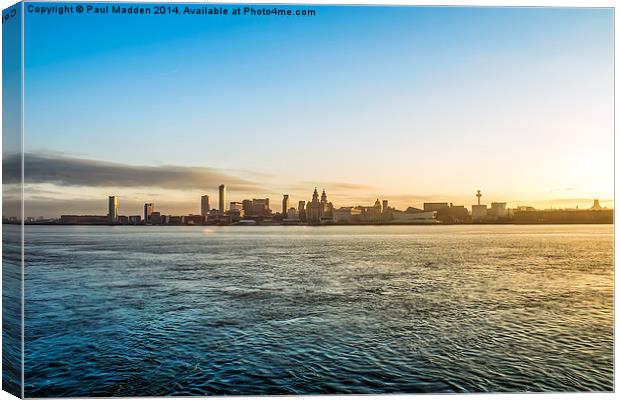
(72, 171)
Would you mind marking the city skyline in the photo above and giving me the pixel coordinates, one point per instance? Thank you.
(407, 103)
(222, 204)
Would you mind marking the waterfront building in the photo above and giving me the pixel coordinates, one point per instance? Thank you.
(122, 220)
(385, 206)
(113, 209)
(260, 207)
(148, 212)
(478, 213)
(347, 215)
(155, 218)
(301, 209)
(423, 217)
(291, 217)
(194, 219)
(204, 205)
(236, 206)
(285, 205)
(319, 211)
(567, 216)
(135, 220)
(246, 205)
(222, 199)
(498, 211)
(434, 206)
(453, 215)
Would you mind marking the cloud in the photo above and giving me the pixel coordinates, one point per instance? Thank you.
(72, 171)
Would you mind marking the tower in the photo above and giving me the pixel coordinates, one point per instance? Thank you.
(112, 209)
(148, 211)
(324, 197)
(222, 203)
(478, 195)
(204, 205)
(284, 204)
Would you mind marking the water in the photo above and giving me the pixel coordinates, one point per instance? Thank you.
(134, 311)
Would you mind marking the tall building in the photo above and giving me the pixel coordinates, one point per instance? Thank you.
(148, 212)
(204, 205)
(319, 211)
(385, 206)
(112, 209)
(222, 204)
(260, 207)
(302, 211)
(285, 206)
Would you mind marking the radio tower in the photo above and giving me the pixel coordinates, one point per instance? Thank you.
(478, 195)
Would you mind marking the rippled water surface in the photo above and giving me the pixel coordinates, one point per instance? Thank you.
(276, 310)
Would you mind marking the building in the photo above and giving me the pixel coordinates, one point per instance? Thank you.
(301, 210)
(113, 209)
(478, 213)
(148, 212)
(385, 206)
(135, 220)
(569, 216)
(194, 219)
(285, 205)
(236, 206)
(434, 206)
(260, 207)
(498, 211)
(403, 217)
(453, 215)
(319, 211)
(222, 203)
(122, 220)
(347, 215)
(204, 205)
(247, 208)
(155, 218)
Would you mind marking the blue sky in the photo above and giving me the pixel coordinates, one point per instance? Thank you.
(405, 103)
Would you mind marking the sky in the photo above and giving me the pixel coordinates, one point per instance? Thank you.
(409, 104)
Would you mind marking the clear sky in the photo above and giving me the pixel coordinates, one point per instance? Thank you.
(405, 103)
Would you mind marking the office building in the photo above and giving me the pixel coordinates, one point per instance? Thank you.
(222, 202)
(113, 209)
(434, 206)
(148, 212)
(285, 205)
(204, 205)
(301, 210)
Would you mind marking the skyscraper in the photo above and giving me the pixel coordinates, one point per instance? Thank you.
(284, 204)
(302, 211)
(112, 209)
(204, 205)
(148, 211)
(222, 199)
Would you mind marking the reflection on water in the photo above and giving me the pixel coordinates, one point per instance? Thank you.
(275, 310)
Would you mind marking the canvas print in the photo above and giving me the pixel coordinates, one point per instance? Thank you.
(269, 199)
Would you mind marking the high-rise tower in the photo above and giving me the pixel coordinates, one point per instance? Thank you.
(222, 201)
(284, 204)
(204, 205)
(112, 209)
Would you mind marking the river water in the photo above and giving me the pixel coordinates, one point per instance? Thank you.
(134, 311)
